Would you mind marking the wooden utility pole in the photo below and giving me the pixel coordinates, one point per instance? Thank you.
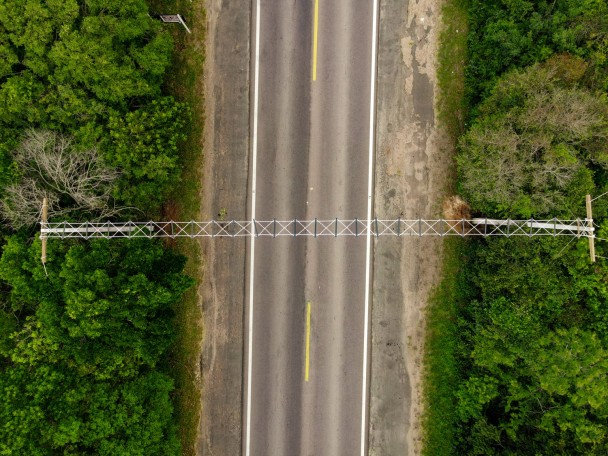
(45, 211)
(590, 225)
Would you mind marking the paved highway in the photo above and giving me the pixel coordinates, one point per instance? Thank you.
(307, 304)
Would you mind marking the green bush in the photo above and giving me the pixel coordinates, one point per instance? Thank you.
(79, 367)
(69, 64)
(48, 409)
(508, 34)
(532, 149)
(143, 145)
(84, 341)
(528, 362)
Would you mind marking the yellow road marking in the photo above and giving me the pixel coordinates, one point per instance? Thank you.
(315, 42)
(307, 341)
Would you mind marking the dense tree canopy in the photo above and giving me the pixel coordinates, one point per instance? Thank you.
(531, 322)
(143, 146)
(106, 309)
(68, 63)
(92, 70)
(77, 366)
(536, 358)
(84, 122)
(49, 409)
(531, 150)
(507, 34)
(547, 392)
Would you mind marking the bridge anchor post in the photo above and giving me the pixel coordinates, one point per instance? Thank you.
(590, 225)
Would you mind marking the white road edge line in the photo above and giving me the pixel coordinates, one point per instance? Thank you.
(372, 112)
(252, 258)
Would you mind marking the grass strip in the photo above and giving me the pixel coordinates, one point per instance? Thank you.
(441, 366)
(441, 370)
(185, 82)
(452, 57)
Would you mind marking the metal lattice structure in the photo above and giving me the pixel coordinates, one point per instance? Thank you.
(319, 228)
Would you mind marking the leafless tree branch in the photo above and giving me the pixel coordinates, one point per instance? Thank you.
(72, 180)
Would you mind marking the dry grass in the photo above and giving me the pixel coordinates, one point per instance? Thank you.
(455, 208)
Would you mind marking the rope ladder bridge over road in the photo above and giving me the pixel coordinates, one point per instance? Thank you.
(320, 228)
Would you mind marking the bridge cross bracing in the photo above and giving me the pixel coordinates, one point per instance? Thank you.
(319, 228)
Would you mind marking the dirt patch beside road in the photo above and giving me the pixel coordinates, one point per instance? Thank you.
(412, 174)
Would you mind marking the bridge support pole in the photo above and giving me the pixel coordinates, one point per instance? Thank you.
(590, 225)
(45, 212)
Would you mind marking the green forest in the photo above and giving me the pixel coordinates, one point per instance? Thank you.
(86, 123)
(525, 336)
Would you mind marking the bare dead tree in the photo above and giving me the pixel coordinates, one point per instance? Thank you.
(72, 180)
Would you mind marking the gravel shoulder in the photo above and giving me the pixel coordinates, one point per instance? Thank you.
(412, 169)
(224, 195)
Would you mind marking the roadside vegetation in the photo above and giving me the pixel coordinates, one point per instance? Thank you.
(517, 347)
(442, 340)
(91, 358)
(185, 83)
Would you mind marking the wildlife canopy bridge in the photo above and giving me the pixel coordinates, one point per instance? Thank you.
(320, 228)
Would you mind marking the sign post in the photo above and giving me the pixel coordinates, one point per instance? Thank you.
(177, 18)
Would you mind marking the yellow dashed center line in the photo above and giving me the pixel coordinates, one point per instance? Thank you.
(315, 41)
(307, 367)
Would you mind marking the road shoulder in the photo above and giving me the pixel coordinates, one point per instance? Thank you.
(411, 179)
(224, 196)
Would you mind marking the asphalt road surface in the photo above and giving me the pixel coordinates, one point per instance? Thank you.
(306, 329)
